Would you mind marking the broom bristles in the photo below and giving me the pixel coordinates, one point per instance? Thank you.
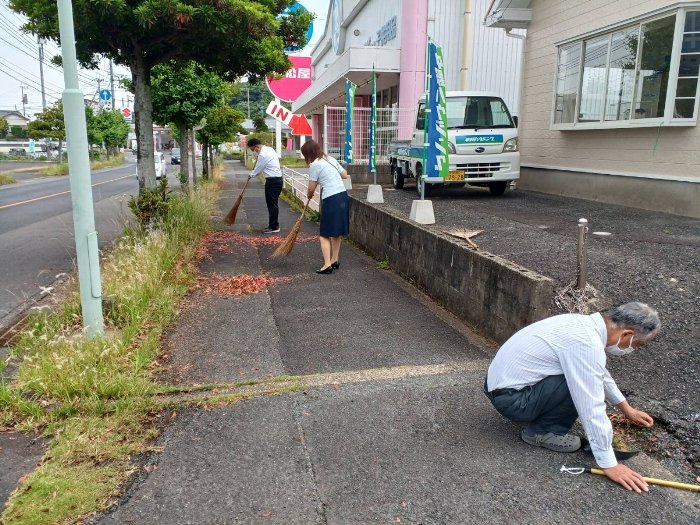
(286, 246)
(231, 216)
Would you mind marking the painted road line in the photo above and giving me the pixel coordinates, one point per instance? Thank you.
(61, 193)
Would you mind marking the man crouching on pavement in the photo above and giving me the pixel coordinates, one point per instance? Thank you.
(553, 371)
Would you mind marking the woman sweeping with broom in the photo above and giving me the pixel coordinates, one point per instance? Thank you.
(335, 210)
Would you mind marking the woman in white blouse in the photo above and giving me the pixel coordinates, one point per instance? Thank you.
(335, 210)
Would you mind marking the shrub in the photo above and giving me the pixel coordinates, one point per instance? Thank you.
(152, 206)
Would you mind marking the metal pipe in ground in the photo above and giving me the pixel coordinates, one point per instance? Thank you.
(582, 255)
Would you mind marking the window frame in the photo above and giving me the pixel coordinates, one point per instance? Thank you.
(671, 91)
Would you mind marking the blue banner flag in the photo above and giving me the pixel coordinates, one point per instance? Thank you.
(349, 114)
(436, 140)
(373, 127)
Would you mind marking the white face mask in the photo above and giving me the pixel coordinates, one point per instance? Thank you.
(615, 350)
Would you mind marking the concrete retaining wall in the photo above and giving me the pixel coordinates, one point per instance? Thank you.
(494, 296)
(360, 175)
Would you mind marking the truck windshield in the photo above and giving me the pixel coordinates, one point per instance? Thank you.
(477, 113)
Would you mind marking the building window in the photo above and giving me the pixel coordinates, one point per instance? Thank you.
(626, 77)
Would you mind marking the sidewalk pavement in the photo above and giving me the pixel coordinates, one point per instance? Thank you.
(388, 423)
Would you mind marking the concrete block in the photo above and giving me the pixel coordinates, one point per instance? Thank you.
(421, 212)
(374, 194)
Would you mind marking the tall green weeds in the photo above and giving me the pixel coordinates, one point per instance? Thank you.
(90, 395)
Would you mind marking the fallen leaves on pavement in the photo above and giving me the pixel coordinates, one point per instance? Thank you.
(243, 284)
(230, 242)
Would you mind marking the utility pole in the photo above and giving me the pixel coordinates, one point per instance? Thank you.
(111, 83)
(24, 102)
(41, 72)
(99, 91)
(87, 251)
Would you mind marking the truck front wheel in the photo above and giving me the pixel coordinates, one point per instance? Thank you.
(397, 177)
(498, 188)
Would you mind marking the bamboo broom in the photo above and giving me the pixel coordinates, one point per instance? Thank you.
(231, 215)
(285, 247)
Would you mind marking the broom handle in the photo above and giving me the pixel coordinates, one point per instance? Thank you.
(662, 482)
(303, 212)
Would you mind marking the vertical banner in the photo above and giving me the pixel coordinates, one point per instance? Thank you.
(437, 161)
(373, 129)
(349, 115)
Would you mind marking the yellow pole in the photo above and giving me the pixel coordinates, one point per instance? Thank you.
(662, 482)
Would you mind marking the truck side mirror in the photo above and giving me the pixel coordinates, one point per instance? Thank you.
(515, 121)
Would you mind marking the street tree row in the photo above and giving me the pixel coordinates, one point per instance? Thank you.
(229, 37)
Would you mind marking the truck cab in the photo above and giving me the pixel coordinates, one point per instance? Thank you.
(482, 142)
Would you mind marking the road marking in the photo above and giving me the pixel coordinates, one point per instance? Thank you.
(61, 193)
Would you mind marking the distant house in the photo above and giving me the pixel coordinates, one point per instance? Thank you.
(14, 118)
(610, 99)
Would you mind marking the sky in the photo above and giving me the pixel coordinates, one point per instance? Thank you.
(19, 64)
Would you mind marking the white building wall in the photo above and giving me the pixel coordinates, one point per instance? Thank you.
(662, 152)
(445, 27)
(496, 59)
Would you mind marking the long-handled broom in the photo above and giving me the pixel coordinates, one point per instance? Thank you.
(285, 247)
(231, 215)
(652, 481)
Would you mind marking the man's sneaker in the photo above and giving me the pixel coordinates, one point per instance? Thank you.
(565, 443)
(271, 230)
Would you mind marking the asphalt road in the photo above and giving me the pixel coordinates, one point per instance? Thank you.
(36, 230)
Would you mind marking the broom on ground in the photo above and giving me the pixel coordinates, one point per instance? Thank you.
(231, 215)
(285, 248)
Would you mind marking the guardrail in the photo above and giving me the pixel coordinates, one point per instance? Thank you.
(297, 183)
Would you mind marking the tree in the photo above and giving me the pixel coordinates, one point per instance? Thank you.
(259, 124)
(182, 95)
(49, 124)
(233, 37)
(222, 124)
(252, 98)
(18, 132)
(112, 128)
(4, 127)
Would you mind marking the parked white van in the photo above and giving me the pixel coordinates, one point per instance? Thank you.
(161, 166)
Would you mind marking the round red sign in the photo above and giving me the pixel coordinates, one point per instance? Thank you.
(294, 82)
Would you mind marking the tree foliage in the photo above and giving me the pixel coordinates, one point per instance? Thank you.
(183, 94)
(223, 122)
(4, 127)
(251, 94)
(112, 129)
(259, 124)
(231, 37)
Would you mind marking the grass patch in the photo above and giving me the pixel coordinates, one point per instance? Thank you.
(92, 397)
(62, 169)
(6, 179)
(291, 161)
(383, 264)
(296, 204)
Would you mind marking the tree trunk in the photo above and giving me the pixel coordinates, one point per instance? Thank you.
(205, 161)
(143, 122)
(184, 155)
(194, 159)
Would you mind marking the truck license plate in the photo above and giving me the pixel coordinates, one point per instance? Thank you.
(456, 175)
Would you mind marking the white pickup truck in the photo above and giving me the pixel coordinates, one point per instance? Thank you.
(483, 145)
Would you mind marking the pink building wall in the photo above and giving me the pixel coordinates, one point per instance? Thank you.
(414, 36)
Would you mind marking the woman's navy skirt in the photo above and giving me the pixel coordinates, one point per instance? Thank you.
(335, 215)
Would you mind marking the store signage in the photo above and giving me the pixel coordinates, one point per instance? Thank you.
(386, 33)
(338, 32)
(294, 82)
(299, 123)
(479, 139)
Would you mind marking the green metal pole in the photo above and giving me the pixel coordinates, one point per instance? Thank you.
(80, 188)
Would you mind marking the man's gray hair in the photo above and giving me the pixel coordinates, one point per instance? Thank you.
(640, 317)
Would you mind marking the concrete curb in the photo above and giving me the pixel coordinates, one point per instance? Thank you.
(495, 296)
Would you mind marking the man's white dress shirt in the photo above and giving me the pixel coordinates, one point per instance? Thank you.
(268, 164)
(572, 345)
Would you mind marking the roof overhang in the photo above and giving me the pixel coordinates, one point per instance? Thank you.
(515, 14)
(328, 87)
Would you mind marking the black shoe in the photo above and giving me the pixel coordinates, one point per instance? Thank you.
(335, 265)
(271, 230)
(326, 271)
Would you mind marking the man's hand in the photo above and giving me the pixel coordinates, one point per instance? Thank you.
(638, 417)
(627, 477)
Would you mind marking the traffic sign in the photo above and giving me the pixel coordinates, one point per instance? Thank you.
(105, 94)
(294, 82)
